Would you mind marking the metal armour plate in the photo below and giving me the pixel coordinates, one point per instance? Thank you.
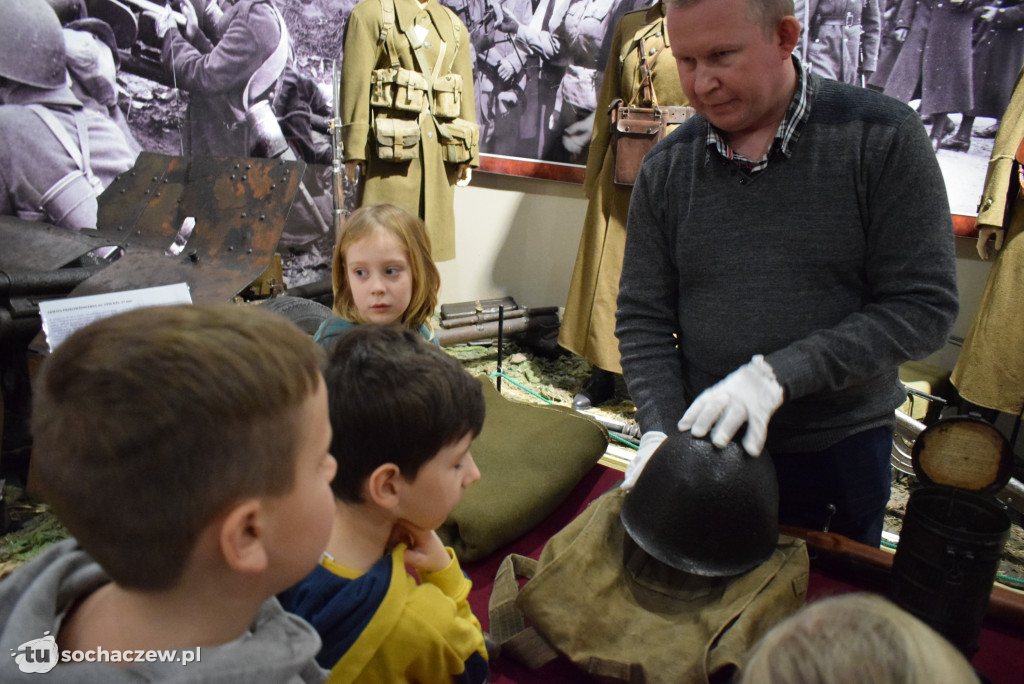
(239, 206)
(37, 246)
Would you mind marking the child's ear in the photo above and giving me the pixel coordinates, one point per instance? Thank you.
(242, 536)
(383, 486)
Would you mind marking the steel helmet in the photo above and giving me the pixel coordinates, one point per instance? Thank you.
(704, 510)
(31, 44)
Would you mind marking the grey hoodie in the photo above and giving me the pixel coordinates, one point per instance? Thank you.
(278, 648)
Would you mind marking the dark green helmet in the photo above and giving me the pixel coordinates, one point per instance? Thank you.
(704, 510)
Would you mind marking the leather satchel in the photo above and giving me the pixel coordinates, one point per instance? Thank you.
(635, 129)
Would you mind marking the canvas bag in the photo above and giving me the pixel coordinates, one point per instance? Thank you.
(621, 616)
(530, 458)
(635, 129)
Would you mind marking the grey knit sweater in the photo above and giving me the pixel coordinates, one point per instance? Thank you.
(836, 263)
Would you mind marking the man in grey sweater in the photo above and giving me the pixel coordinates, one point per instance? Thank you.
(786, 251)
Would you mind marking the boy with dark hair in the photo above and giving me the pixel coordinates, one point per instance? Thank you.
(186, 449)
(404, 414)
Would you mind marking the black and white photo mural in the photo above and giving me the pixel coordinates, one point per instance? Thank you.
(182, 75)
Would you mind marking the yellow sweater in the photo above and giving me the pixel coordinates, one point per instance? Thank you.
(420, 632)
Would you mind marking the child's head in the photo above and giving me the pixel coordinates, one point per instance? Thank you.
(396, 399)
(852, 638)
(150, 425)
(382, 270)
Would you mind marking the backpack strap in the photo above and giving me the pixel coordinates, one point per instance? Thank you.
(387, 13)
(79, 153)
(507, 623)
(645, 95)
(65, 202)
(456, 29)
(267, 74)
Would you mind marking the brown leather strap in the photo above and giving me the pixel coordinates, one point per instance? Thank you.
(646, 89)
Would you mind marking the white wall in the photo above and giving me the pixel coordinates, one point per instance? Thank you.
(514, 236)
(518, 236)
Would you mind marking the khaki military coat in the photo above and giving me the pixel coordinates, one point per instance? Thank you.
(840, 37)
(588, 326)
(424, 186)
(990, 369)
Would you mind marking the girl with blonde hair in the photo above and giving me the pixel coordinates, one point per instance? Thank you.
(382, 273)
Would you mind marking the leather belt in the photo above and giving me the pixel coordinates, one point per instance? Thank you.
(847, 21)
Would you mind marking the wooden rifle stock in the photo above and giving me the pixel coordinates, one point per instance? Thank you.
(1005, 605)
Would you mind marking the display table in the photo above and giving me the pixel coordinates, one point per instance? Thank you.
(837, 566)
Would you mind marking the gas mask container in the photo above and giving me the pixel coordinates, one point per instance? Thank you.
(266, 139)
(704, 510)
(954, 530)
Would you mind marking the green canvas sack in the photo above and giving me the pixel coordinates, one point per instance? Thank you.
(595, 597)
(530, 458)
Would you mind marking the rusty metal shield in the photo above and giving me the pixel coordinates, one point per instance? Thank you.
(211, 222)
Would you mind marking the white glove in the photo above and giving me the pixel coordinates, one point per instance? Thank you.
(986, 232)
(649, 442)
(750, 394)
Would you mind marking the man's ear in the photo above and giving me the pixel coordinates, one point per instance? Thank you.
(383, 486)
(242, 537)
(787, 33)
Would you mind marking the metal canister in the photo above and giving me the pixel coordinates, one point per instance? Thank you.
(266, 139)
(954, 530)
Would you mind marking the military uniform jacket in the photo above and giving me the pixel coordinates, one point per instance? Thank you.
(33, 161)
(588, 325)
(215, 76)
(425, 186)
(840, 37)
(990, 369)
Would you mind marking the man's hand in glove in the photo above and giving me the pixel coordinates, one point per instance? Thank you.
(649, 442)
(750, 394)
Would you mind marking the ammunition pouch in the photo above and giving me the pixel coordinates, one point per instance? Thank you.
(398, 89)
(447, 93)
(635, 130)
(460, 140)
(396, 140)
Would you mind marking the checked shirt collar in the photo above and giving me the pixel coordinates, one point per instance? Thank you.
(789, 130)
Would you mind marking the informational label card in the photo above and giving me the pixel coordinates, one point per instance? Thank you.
(61, 317)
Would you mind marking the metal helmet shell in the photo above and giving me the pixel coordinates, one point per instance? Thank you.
(31, 44)
(704, 510)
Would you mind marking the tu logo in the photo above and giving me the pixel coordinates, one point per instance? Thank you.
(38, 655)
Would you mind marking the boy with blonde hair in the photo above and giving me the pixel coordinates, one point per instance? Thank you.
(186, 449)
(404, 414)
